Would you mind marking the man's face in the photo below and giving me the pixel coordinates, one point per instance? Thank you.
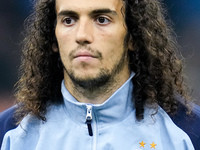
(90, 35)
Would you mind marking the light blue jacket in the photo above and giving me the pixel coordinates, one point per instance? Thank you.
(108, 126)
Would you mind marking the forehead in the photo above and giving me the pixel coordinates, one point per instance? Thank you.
(87, 5)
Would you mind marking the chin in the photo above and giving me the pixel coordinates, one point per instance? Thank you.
(90, 80)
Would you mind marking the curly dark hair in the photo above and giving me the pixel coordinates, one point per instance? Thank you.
(158, 70)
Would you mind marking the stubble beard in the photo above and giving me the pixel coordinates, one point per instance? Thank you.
(102, 81)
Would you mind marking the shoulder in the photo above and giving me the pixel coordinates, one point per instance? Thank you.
(30, 122)
(189, 123)
(170, 131)
(31, 128)
(7, 121)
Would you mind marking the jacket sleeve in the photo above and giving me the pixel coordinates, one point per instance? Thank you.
(7, 122)
(189, 123)
(6, 144)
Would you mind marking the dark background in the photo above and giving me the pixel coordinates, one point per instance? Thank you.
(184, 14)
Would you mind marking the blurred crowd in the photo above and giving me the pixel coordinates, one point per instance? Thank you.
(185, 16)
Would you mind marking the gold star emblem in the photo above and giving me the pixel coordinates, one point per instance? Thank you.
(142, 144)
(153, 145)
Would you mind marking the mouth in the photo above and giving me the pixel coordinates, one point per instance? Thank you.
(84, 54)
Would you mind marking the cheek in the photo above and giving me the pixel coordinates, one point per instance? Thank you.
(113, 46)
(112, 49)
(114, 36)
(63, 43)
(63, 49)
(112, 42)
(63, 36)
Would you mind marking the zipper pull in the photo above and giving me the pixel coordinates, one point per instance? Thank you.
(89, 119)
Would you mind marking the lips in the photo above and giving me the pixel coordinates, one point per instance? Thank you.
(84, 54)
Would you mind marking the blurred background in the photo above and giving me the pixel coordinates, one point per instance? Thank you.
(184, 14)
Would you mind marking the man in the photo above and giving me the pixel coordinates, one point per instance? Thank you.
(121, 78)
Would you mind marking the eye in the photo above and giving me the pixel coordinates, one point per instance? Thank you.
(68, 21)
(102, 20)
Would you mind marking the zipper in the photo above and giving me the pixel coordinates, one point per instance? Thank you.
(89, 119)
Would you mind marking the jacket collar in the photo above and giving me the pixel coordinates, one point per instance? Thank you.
(115, 109)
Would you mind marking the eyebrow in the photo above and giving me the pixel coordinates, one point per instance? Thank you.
(94, 12)
(103, 11)
(67, 13)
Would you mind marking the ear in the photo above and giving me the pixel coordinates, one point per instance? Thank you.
(130, 44)
(55, 47)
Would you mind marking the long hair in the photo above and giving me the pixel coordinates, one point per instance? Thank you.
(158, 79)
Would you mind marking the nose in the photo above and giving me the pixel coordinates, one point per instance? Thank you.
(84, 32)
